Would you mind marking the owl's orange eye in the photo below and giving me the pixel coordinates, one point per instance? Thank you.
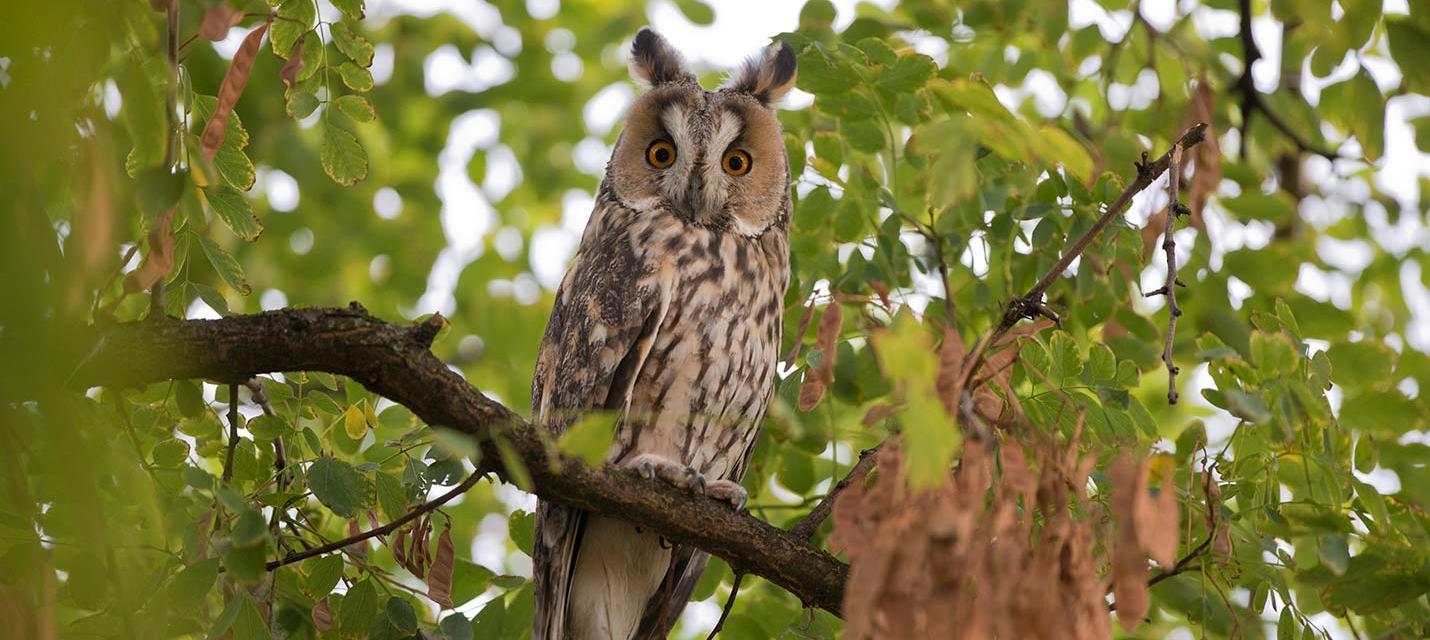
(660, 154)
(736, 162)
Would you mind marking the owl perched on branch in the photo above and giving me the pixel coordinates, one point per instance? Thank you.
(669, 317)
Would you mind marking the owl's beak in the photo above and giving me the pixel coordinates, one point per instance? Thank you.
(695, 202)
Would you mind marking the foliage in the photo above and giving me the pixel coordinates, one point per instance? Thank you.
(925, 202)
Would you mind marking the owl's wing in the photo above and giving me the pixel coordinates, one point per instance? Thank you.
(601, 330)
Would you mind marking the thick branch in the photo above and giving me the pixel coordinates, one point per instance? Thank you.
(393, 360)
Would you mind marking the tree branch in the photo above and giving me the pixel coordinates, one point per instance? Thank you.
(383, 530)
(811, 521)
(1175, 209)
(394, 361)
(1030, 305)
(1251, 100)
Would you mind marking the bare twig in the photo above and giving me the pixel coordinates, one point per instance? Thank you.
(1175, 208)
(1031, 305)
(232, 433)
(811, 521)
(260, 398)
(1251, 100)
(382, 530)
(729, 604)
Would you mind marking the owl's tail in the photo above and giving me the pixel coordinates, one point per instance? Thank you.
(618, 570)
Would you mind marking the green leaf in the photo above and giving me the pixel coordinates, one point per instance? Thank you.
(391, 496)
(822, 71)
(908, 74)
(323, 574)
(343, 157)
(158, 191)
(224, 264)
(590, 438)
(1410, 46)
(1273, 353)
(1359, 107)
(190, 398)
(336, 484)
(189, 589)
(1365, 364)
(356, 107)
(171, 453)
(401, 615)
(1055, 145)
(358, 608)
(299, 104)
(1387, 413)
(1102, 364)
(266, 427)
(1254, 205)
(353, 9)
(521, 526)
(233, 208)
(295, 18)
(456, 627)
(355, 77)
(469, 580)
(696, 11)
(247, 564)
(1334, 553)
(249, 529)
(352, 44)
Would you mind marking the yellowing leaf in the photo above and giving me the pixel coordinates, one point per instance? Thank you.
(355, 422)
(343, 157)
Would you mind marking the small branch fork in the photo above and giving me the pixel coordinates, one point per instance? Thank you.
(811, 521)
(1031, 304)
(1175, 209)
(383, 530)
(1251, 100)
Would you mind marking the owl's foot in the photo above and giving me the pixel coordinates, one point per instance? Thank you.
(652, 467)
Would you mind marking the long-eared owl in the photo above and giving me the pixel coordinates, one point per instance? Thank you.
(669, 317)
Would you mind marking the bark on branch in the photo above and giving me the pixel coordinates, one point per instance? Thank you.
(393, 360)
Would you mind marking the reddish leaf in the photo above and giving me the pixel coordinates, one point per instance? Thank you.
(829, 326)
(160, 258)
(294, 65)
(439, 579)
(322, 615)
(950, 369)
(233, 83)
(1129, 564)
(217, 21)
(811, 393)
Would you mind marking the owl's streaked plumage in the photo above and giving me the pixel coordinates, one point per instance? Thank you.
(669, 315)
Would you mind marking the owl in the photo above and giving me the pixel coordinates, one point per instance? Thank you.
(669, 318)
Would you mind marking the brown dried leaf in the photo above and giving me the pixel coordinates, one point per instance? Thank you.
(1206, 157)
(877, 413)
(233, 83)
(399, 547)
(950, 369)
(1157, 519)
(358, 548)
(811, 392)
(1129, 564)
(1023, 330)
(804, 321)
(294, 65)
(160, 258)
(825, 338)
(322, 615)
(218, 19)
(439, 580)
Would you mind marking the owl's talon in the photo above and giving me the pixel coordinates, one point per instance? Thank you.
(729, 492)
(646, 470)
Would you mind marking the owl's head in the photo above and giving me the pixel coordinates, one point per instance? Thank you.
(714, 158)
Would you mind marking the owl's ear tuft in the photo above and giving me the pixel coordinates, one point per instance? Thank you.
(768, 75)
(655, 62)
